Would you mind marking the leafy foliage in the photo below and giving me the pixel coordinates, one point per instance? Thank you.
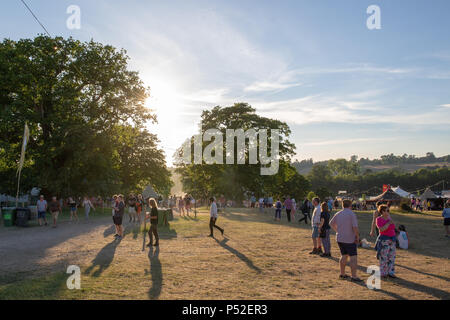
(86, 115)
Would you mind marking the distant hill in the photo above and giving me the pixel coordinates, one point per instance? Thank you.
(405, 163)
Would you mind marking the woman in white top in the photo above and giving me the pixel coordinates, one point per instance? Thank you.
(87, 204)
(213, 219)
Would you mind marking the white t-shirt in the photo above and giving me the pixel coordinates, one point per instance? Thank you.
(213, 210)
(316, 216)
(403, 240)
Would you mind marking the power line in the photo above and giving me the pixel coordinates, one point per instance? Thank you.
(36, 18)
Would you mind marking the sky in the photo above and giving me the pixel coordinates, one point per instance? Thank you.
(342, 88)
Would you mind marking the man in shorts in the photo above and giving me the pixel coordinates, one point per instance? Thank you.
(345, 224)
(132, 207)
(118, 217)
(315, 224)
(55, 210)
(41, 209)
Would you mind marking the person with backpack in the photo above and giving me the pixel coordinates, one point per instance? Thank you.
(278, 207)
(324, 230)
(304, 209)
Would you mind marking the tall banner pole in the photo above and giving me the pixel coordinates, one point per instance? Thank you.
(26, 136)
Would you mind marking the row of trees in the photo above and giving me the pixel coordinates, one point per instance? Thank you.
(87, 120)
(390, 160)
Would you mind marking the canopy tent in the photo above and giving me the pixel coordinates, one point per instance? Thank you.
(428, 194)
(389, 195)
(149, 193)
(402, 193)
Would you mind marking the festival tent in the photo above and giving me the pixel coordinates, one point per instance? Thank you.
(428, 194)
(402, 193)
(389, 195)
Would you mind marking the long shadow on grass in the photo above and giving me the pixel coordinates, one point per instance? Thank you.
(103, 259)
(238, 254)
(424, 273)
(437, 293)
(156, 273)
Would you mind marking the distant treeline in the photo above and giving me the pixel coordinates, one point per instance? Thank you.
(390, 159)
(332, 176)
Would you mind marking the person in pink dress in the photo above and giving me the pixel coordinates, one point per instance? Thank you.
(386, 243)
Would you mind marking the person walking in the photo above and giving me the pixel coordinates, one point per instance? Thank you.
(324, 229)
(87, 204)
(386, 243)
(55, 210)
(305, 211)
(315, 223)
(288, 206)
(213, 218)
(181, 206)
(73, 209)
(345, 224)
(139, 207)
(153, 223)
(119, 211)
(42, 207)
(446, 216)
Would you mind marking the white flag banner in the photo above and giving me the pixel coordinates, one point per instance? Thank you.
(26, 137)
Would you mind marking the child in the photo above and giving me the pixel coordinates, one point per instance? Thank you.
(278, 207)
(402, 238)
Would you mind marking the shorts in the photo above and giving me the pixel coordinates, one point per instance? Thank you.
(55, 214)
(73, 209)
(131, 210)
(315, 232)
(348, 249)
(117, 220)
(41, 215)
(447, 222)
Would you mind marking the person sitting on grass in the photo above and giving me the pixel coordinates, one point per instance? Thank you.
(153, 223)
(446, 215)
(402, 238)
(345, 224)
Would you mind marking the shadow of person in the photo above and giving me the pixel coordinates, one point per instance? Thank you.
(103, 259)
(437, 293)
(424, 273)
(156, 273)
(238, 254)
(109, 231)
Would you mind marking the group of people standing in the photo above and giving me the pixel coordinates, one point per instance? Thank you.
(55, 209)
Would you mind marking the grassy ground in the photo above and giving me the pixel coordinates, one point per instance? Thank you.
(257, 259)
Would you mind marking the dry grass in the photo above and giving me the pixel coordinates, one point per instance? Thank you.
(258, 259)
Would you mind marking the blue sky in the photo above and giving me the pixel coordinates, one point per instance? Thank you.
(343, 89)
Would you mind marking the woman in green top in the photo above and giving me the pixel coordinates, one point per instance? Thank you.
(153, 223)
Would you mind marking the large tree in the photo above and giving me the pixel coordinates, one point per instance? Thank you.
(86, 114)
(236, 180)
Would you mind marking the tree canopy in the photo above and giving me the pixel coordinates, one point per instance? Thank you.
(236, 180)
(87, 118)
